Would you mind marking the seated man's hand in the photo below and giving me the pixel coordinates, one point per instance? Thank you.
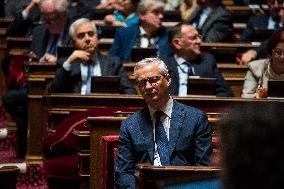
(247, 57)
(48, 58)
(261, 92)
(32, 56)
(78, 54)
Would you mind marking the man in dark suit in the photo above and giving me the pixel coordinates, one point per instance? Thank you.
(75, 71)
(188, 61)
(212, 20)
(148, 33)
(164, 133)
(269, 21)
(52, 33)
(24, 20)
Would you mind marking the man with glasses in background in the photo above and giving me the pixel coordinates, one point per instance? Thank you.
(188, 61)
(52, 33)
(165, 132)
(149, 32)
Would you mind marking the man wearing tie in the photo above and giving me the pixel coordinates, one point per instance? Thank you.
(188, 61)
(75, 71)
(163, 133)
(149, 32)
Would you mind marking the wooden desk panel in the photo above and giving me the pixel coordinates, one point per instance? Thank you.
(148, 176)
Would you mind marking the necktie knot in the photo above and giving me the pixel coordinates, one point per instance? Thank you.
(158, 115)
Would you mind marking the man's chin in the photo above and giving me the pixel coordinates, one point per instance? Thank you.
(90, 49)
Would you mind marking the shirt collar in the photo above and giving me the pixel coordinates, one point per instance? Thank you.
(179, 59)
(167, 109)
(142, 31)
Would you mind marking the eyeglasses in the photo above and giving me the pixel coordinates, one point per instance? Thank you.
(152, 80)
(273, 1)
(51, 18)
(278, 52)
(194, 38)
(83, 34)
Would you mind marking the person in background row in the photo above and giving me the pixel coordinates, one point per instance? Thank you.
(251, 146)
(124, 16)
(262, 51)
(269, 21)
(260, 71)
(53, 33)
(187, 7)
(148, 33)
(75, 72)
(188, 61)
(54, 14)
(25, 19)
(164, 133)
(212, 20)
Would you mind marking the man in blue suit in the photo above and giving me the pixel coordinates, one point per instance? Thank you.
(148, 33)
(164, 133)
(188, 61)
(269, 21)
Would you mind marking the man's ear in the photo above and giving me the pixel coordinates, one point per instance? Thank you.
(176, 43)
(169, 79)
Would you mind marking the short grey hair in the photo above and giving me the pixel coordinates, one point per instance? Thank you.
(161, 65)
(145, 5)
(78, 23)
(61, 6)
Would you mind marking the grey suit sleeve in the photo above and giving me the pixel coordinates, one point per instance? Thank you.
(203, 148)
(124, 165)
(126, 87)
(61, 81)
(221, 30)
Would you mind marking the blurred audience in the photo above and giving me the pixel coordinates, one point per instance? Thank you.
(187, 7)
(148, 33)
(24, 20)
(251, 139)
(53, 33)
(54, 14)
(260, 71)
(12, 6)
(171, 5)
(75, 72)
(125, 15)
(188, 61)
(269, 20)
(212, 20)
(262, 51)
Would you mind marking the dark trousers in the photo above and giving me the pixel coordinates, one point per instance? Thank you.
(15, 102)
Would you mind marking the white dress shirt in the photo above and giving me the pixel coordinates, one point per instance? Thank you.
(166, 120)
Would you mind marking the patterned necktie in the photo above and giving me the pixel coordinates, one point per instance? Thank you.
(53, 46)
(161, 140)
(89, 76)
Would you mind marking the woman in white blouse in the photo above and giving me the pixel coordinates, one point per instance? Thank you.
(260, 71)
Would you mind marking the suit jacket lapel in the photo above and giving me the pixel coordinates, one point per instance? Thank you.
(102, 62)
(174, 88)
(146, 128)
(176, 125)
